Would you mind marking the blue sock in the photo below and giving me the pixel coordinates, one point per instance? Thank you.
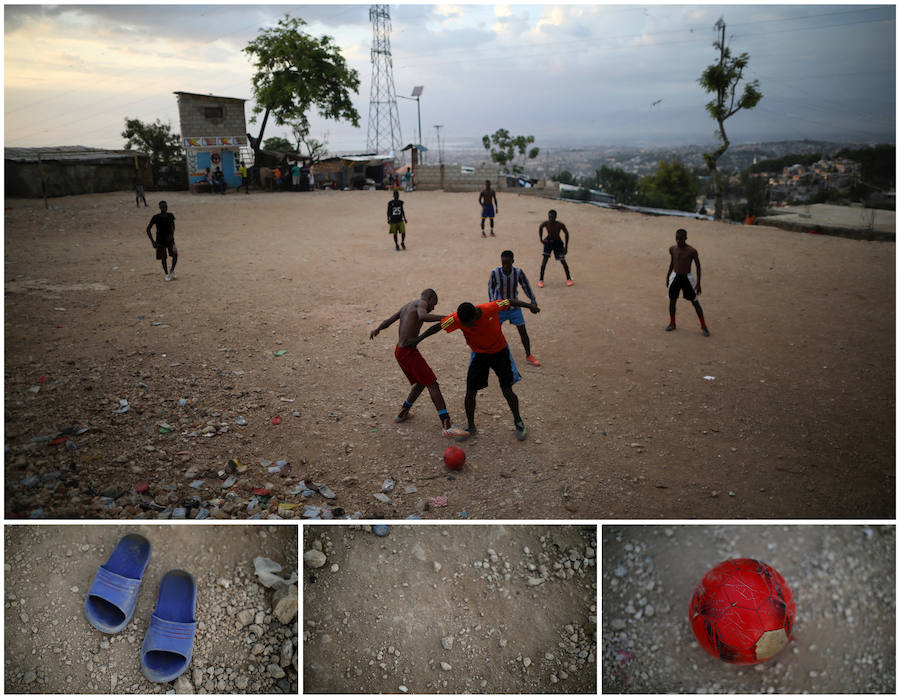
(407, 404)
(443, 414)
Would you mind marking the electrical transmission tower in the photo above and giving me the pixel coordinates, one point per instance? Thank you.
(384, 119)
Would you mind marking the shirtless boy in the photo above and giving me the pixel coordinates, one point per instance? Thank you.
(487, 198)
(679, 278)
(553, 244)
(490, 351)
(414, 366)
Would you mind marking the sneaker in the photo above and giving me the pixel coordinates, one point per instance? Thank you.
(670, 327)
(541, 283)
(705, 332)
(569, 283)
(492, 232)
(403, 246)
(454, 432)
(482, 235)
(397, 247)
(521, 431)
(400, 417)
(173, 275)
(533, 360)
(469, 431)
(168, 278)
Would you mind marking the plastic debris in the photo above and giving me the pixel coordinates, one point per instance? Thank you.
(381, 530)
(142, 487)
(182, 402)
(312, 512)
(165, 428)
(260, 492)
(387, 486)
(327, 492)
(438, 501)
(229, 482)
(197, 484)
(383, 498)
(709, 377)
(279, 353)
(265, 571)
(240, 420)
(276, 420)
(123, 407)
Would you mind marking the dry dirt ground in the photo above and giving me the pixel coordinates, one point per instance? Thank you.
(49, 646)
(450, 609)
(844, 583)
(625, 420)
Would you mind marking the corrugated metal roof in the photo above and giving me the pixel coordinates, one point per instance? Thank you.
(26, 155)
(217, 97)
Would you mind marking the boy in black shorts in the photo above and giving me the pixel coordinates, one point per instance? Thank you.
(554, 245)
(680, 279)
(165, 238)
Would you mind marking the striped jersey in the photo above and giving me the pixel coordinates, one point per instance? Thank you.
(503, 286)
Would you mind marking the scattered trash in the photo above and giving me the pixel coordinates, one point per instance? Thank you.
(240, 420)
(197, 484)
(276, 420)
(265, 571)
(411, 489)
(261, 492)
(182, 402)
(349, 480)
(327, 492)
(35, 389)
(165, 428)
(438, 502)
(383, 498)
(311, 512)
(279, 353)
(709, 378)
(381, 530)
(202, 514)
(142, 487)
(387, 486)
(123, 407)
(286, 399)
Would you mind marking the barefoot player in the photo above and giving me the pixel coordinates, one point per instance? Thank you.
(553, 244)
(165, 238)
(481, 327)
(414, 366)
(679, 278)
(487, 198)
(504, 284)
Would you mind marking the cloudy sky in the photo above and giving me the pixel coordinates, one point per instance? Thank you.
(594, 74)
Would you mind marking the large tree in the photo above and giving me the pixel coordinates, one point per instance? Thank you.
(505, 147)
(673, 186)
(167, 159)
(623, 186)
(295, 72)
(278, 143)
(722, 80)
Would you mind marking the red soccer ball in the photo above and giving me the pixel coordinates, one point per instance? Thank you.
(742, 611)
(454, 457)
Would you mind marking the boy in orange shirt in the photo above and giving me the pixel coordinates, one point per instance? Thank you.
(481, 327)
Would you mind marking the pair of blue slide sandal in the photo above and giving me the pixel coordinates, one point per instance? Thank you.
(112, 598)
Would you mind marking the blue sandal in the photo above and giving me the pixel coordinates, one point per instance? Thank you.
(169, 642)
(113, 595)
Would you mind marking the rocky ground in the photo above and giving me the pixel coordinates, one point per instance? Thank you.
(450, 609)
(844, 582)
(249, 387)
(246, 639)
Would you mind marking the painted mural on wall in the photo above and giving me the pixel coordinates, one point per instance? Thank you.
(214, 152)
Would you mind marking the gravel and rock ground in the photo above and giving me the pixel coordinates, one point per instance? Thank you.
(450, 609)
(844, 582)
(251, 387)
(246, 639)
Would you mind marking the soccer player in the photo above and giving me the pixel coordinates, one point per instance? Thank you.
(487, 198)
(165, 238)
(414, 366)
(139, 191)
(397, 220)
(481, 327)
(679, 278)
(553, 244)
(504, 284)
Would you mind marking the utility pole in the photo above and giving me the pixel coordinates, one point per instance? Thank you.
(437, 129)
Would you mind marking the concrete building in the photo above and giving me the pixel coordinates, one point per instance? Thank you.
(214, 135)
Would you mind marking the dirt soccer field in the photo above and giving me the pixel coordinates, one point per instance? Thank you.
(786, 411)
(450, 609)
(843, 581)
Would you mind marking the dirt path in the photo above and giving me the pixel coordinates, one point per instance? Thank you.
(49, 646)
(455, 609)
(798, 422)
(843, 579)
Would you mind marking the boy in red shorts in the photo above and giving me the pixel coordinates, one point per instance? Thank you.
(481, 327)
(414, 366)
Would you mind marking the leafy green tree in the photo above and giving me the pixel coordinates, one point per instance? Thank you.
(671, 187)
(505, 147)
(296, 72)
(722, 80)
(167, 159)
(278, 143)
(623, 186)
(565, 177)
(756, 189)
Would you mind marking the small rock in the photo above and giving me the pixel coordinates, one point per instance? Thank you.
(526, 662)
(447, 642)
(275, 671)
(445, 666)
(314, 559)
(183, 685)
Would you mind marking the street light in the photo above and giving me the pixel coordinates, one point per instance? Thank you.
(417, 93)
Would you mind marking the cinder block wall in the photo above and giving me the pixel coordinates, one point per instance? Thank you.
(194, 121)
(428, 177)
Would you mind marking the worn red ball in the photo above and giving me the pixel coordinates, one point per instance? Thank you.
(742, 611)
(454, 457)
